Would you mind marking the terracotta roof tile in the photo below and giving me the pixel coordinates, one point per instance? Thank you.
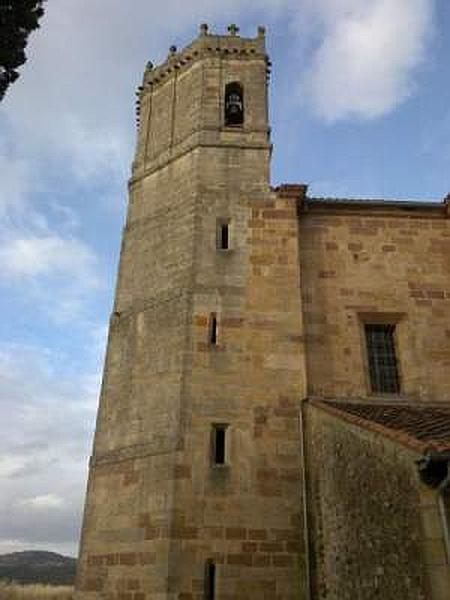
(422, 427)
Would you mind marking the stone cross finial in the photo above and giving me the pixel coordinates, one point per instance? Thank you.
(203, 29)
(233, 29)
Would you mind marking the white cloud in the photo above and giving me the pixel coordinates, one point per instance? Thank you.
(54, 274)
(34, 256)
(367, 55)
(14, 183)
(50, 406)
(10, 465)
(41, 256)
(44, 502)
(64, 548)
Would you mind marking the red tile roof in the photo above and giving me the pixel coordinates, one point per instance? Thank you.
(420, 426)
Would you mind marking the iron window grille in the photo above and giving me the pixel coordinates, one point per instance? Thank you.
(383, 369)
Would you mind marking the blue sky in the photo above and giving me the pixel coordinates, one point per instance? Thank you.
(360, 107)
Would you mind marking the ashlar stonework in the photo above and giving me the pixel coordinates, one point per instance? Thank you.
(223, 467)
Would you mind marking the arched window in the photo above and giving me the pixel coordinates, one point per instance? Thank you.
(234, 104)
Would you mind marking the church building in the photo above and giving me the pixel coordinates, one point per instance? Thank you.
(274, 419)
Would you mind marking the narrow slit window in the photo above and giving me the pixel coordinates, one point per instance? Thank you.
(219, 449)
(382, 360)
(223, 235)
(213, 329)
(210, 580)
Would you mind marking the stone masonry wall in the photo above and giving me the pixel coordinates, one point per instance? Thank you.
(365, 512)
(245, 515)
(154, 519)
(290, 296)
(134, 464)
(157, 507)
(358, 264)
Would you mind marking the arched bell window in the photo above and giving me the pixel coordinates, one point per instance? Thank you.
(234, 104)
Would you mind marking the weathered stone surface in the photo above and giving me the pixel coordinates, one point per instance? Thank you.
(375, 529)
(290, 296)
(390, 263)
(157, 508)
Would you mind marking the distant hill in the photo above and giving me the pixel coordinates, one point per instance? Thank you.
(38, 567)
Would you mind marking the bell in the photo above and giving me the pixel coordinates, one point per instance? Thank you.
(234, 104)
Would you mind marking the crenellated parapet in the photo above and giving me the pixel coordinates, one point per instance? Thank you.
(212, 92)
(206, 45)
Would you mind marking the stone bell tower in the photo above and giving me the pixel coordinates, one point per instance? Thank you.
(195, 479)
